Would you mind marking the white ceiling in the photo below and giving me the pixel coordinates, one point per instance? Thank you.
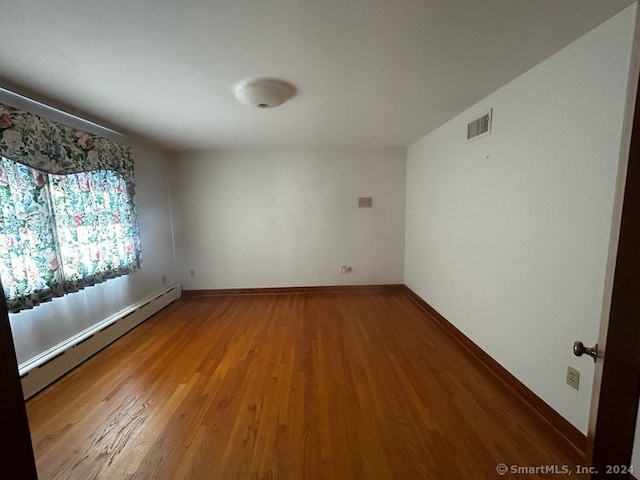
(368, 72)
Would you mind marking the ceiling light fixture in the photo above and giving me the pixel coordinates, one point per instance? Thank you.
(263, 92)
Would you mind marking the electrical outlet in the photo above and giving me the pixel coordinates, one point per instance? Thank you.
(346, 269)
(192, 272)
(573, 378)
(164, 279)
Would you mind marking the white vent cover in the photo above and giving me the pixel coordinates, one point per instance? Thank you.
(481, 126)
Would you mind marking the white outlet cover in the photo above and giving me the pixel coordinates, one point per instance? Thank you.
(573, 378)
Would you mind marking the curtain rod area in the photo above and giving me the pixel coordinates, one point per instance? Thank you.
(39, 108)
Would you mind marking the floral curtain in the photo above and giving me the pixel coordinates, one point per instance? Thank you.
(53, 147)
(95, 227)
(29, 264)
(67, 218)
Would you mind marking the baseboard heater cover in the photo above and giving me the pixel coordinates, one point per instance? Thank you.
(44, 369)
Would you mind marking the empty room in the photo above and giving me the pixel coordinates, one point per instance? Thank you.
(338, 239)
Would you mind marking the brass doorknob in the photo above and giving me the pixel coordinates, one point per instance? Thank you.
(579, 349)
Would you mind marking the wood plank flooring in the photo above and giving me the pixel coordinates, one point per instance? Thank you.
(354, 385)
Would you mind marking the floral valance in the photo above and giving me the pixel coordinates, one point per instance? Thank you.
(56, 148)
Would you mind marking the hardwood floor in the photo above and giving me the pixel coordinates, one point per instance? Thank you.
(354, 385)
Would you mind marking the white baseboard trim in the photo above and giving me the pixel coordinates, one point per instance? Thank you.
(45, 368)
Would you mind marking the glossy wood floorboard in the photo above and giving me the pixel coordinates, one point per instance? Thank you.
(357, 385)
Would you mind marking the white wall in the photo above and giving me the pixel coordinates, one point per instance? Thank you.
(507, 236)
(273, 218)
(36, 330)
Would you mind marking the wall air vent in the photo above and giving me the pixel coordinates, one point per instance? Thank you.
(481, 126)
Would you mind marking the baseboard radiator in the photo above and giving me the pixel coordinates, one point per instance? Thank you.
(44, 369)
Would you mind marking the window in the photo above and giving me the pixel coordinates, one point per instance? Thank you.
(61, 233)
(67, 218)
(94, 222)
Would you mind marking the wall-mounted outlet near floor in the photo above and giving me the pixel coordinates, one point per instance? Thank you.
(192, 273)
(164, 279)
(346, 269)
(573, 377)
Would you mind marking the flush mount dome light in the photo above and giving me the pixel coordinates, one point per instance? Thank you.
(263, 92)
